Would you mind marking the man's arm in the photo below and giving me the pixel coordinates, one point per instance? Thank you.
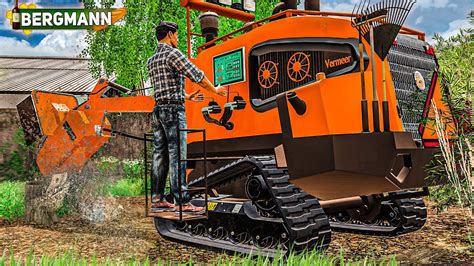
(194, 96)
(183, 65)
(207, 85)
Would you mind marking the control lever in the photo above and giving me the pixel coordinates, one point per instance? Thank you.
(212, 108)
(238, 104)
(298, 104)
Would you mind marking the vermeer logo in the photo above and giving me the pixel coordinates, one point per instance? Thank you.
(338, 62)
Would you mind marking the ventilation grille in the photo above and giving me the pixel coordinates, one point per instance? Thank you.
(405, 58)
(283, 82)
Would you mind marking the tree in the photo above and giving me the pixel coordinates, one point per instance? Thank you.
(122, 50)
(456, 60)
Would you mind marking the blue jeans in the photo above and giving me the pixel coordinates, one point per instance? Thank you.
(166, 120)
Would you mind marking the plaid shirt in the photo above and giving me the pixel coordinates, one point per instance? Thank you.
(167, 68)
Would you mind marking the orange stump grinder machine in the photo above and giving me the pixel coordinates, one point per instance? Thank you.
(324, 129)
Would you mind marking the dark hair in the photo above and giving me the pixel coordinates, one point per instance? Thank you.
(164, 27)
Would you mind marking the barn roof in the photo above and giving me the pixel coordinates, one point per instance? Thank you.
(20, 74)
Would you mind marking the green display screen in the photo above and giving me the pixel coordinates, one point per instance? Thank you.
(229, 67)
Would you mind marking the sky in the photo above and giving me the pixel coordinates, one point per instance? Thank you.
(430, 16)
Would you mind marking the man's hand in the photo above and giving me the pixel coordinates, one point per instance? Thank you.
(206, 84)
(222, 91)
(195, 96)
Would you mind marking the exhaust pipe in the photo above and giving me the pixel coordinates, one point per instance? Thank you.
(209, 25)
(313, 5)
(285, 5)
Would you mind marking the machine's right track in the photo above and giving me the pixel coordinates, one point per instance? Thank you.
(397, 217)
(298, 215)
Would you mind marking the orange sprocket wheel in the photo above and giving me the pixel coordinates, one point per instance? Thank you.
(268, 74)
(298, 67)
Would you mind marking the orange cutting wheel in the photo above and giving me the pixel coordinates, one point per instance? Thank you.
(298, 67)
(268, 74)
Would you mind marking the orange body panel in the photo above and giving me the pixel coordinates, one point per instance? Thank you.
(52, 108)
(60, 152)
(333, 108)
(339, 96)
(131, 104)
(429, 130)
(71, 131)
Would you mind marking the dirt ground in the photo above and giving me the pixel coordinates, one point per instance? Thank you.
(442, 240)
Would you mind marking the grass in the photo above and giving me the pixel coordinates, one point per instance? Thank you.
(457, 163)
(131, 173)
(308, 258)
(127, 187)
(12, 200)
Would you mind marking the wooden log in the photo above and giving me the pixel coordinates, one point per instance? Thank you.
(37, 209)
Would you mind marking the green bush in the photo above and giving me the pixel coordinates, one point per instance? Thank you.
(121, 177)
(12, 200)
(456, 58)
(127, 187)
(14, 165)
(133, 169)
(107, 164)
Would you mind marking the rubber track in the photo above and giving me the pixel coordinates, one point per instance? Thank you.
(307, 224)
(302, 214)
(413, 217)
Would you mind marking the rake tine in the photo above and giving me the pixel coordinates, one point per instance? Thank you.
(366, 12)
(397, 14)
(370, 9)
(366, 3)
(389, 17)
(376, 6)
(408, 6)
(353, 10)
(359, 7)
(402, 13)
(355, 13)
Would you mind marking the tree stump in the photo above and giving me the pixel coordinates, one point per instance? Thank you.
(43, 198)
(36, 211)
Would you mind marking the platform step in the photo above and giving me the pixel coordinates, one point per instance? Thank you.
(194, 189)
(175, 216)
(225, 158)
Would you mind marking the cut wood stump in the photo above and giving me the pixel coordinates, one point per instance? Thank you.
(43, 198)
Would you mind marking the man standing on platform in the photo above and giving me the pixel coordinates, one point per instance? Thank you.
(167, 68)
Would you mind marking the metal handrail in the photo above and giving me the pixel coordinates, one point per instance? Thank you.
(290, 13)
(180, 189)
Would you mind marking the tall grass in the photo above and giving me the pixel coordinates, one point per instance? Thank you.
(12, 200)
(308, 258)
(127, 188)
(458, 167)
(457, 162)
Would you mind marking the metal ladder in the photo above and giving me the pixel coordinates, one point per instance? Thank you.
(166, 215)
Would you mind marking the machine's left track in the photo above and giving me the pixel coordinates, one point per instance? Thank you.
(297, 221)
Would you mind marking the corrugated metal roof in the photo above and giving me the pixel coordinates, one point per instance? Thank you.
(58, 74)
